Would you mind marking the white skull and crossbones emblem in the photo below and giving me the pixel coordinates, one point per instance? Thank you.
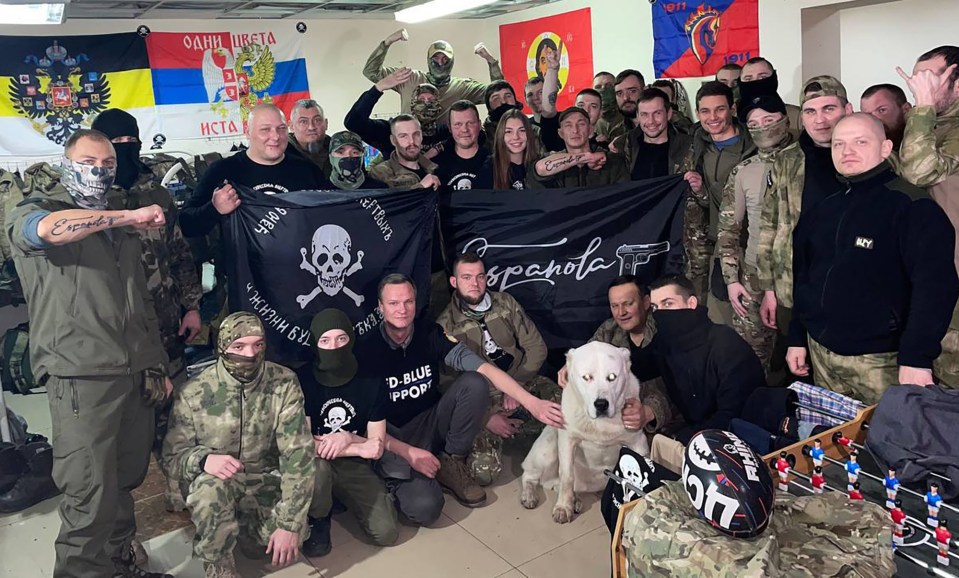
(632, 475)
(331, 264)
(336, 419)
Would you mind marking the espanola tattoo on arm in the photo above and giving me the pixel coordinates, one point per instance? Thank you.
(63, 226)
(563, 163)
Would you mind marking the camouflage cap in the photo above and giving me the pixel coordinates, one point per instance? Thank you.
(440, 46)
(345, 137)
(426, 87)
(824, 85)
(237, 325)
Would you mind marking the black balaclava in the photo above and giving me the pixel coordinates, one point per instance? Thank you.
(116, 123)
(753, 88)
(333, 367)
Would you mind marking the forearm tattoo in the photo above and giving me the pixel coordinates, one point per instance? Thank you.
(563, 163)
(64, 226)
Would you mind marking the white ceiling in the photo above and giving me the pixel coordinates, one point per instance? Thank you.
(270, 9)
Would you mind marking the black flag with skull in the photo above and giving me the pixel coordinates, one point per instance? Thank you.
(293, 255)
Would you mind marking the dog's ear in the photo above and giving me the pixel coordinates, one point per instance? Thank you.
(569, 359)
(626, 358)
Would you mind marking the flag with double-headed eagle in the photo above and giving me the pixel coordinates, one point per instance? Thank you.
(52, 86)
(694, 39)
(206, 82)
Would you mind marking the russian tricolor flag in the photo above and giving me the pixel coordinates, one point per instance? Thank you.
(205, 83)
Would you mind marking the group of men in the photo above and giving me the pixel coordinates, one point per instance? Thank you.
(828, 233)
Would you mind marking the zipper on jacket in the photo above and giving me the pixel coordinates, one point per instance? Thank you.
(75, 399)
(239, 453)
(822, 294)
(126, 304)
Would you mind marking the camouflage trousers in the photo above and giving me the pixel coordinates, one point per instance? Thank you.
(862, 377)
(698, 248)
(486, 458)
(240, 508)
(761, 338)
(946, 366)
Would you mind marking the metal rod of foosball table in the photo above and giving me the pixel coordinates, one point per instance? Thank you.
(861, 447)
(901, 488)
(865, 426)
(935, 571)
(912, 521)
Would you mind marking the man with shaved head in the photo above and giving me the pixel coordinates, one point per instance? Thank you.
(875, 283)
(263, 167)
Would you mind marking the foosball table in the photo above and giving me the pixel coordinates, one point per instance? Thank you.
(835, 460)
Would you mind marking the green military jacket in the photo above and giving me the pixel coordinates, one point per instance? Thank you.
(510, 328)
(780, 215)
(679, 144)
(714, 165)
(262, 424)
(652, 393)
(807, 537)
(742, 205)
(396, 176)
(614, 171)
(457, 88)
(929, 157)
(321, 157)
(168, 264)
(90, 311)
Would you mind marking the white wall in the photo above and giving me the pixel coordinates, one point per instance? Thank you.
(335, 52)
(877, 39)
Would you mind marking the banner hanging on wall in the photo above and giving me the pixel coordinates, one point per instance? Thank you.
(693, 39)
(524, 46)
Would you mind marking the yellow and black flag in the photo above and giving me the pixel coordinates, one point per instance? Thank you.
(51, 86)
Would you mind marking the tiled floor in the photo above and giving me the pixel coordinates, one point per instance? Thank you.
(499, 540)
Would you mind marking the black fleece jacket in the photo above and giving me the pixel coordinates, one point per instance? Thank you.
(874, 271)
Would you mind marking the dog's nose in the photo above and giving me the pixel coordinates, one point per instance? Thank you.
(601, 406)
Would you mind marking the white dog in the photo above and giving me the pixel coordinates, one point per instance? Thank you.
(574, 458)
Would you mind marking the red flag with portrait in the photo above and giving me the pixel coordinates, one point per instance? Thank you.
(524, 46)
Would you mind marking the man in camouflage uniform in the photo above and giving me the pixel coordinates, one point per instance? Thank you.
(802, 174)
(807, 537)
(407, 166)
(167, 261)
(308, 138)
(719, 144)
(95, 345)
(930, 158)
(495, 327)
(742, 203)
(238, 437)
(440, 59)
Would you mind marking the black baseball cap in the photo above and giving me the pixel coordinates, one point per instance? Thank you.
(573, 110)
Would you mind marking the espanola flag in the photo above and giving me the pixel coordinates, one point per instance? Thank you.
(697, 38)
(207, 82)
(524, 45)
(292, 255)
(556, 250)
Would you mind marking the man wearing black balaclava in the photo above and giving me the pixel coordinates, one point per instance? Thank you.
(759, 78)
(439, 57)
(171, 274)
(94, 343)
(707, 368)
(499, 98)
(346, 414)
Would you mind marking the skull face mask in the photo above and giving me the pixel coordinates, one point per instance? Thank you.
(87, 184)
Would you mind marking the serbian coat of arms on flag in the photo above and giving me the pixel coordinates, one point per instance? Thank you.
(697, 38)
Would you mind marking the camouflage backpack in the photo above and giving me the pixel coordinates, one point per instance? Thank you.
(181, 187)
(15, 370)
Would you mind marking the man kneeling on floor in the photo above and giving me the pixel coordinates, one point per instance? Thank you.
(346, 414)
(406, 355)
(232, 428)
(495, 327)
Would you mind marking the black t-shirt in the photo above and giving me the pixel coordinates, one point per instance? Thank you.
(347, 408)
(198, 216)
(643, 362)
(411, 374)
(457, 173)
(652, 161)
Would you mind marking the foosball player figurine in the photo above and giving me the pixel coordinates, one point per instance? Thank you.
(818, 480)
(854, 493)
(817, 452)
(782, 466)
(852, 469)
(899, 521)
(892, 487)
(943, 536)
(933, 500)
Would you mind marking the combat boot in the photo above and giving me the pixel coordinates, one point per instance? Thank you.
(36, 484)
(223, 568)
(125, 566)
(319, 543)
(454, 476)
